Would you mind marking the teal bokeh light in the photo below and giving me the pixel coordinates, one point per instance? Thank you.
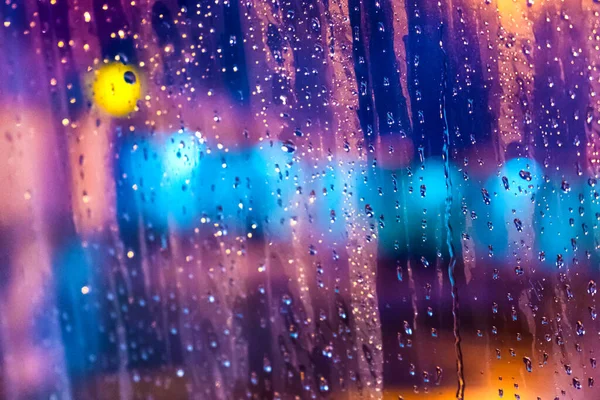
(160, 173)
(505, 197)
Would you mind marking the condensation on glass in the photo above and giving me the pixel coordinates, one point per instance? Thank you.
(299, 199)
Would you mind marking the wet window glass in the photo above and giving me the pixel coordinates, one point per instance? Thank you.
(299, 199)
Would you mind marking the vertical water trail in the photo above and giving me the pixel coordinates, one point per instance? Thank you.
(460, 392)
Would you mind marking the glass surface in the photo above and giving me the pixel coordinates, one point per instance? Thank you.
(299, 199)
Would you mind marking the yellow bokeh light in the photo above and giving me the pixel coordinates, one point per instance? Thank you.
(116, 88)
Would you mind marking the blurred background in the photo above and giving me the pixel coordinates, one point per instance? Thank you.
(299, 199)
